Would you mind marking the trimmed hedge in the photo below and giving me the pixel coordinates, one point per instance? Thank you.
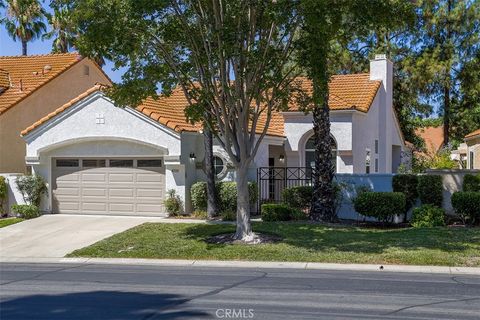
(299, 197)
(467, 205)
(427, 216)
(406, 184)
(26, 211)
(281, 212)
(380, 205)
(471, 183)
(430, 189)
(3, 193)
(227, 195)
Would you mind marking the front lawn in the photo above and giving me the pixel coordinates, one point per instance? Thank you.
(8, 221)
(301, 242)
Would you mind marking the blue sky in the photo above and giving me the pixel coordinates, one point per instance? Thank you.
(8, 47)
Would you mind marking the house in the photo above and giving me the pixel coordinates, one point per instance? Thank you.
(98, 158)
(472, 141)
(433, 138)
(30, 88)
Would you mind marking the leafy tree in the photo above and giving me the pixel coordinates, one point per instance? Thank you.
(231, 59)
(63, 30)
(447, 44)
(325, 25)
(24, 21)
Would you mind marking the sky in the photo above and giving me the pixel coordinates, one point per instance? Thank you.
(8, 47)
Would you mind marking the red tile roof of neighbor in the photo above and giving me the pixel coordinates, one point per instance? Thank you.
(433, 137)
(347, 92)
(27, 74)
(473, 134)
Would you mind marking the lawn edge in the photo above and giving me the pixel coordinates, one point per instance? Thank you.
(254, 264)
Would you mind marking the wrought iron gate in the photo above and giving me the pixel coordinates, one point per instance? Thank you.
(273, 180)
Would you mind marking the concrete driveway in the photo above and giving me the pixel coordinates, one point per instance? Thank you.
(54, 236)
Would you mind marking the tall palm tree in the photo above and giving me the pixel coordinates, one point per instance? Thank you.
(24, 21)
(63, 30)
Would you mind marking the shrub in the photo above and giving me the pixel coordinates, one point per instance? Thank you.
(427, 216)
(298, 215)
(173, 204)
(26, 211)
(200, 214)
(430, 189)
(298, 197)
(275, 212)
(3, 194)
(229, 215)
(380, 205)
(406, 184)
(198, 193)
(471, 183)
(227, 194)
(32, 187)
(467, 205)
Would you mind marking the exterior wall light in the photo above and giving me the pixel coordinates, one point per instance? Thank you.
(281, 158)
(192, 156)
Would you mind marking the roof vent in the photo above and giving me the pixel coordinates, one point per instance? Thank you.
(47, 68)
(382, 56)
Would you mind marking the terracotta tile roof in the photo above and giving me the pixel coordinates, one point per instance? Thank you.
(59, 110)
(433, 137)
(346, 92)
(4, 80)
(28, 73)
(473, 134)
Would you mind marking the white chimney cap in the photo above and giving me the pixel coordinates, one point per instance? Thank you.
(380, 56)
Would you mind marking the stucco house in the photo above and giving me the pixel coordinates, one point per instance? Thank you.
(472, 141)
(98, 158)
(30, 88)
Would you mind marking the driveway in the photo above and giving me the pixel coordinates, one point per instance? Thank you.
(54, 236)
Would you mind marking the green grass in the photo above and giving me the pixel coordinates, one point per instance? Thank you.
(301, 242)
(8, 221)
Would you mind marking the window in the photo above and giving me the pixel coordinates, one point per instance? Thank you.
(310, 153)
(149, 163)
(67, 162)
(121, 163)
(471, 159)
(218, 165)
(93, 163)
(376, 165)
(376, 146)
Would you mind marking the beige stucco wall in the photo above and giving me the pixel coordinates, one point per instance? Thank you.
(473, 145)
(54, 94)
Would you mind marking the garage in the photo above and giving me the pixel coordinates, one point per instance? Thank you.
(116, 186)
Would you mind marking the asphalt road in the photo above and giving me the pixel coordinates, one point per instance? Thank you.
(70, 291)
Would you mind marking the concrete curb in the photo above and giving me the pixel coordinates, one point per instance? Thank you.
(252, 264)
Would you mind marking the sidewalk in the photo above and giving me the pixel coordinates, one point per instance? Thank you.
(253, 264)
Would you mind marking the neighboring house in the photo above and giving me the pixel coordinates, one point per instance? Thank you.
(30, 88)
(98, 158)
(472, 140)
(433, 138)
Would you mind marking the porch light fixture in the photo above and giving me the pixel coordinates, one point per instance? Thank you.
(192, 156)
(281, 158)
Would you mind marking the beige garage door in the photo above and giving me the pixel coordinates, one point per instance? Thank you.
(108, 186)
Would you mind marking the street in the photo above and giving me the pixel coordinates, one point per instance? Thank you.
(85, 291)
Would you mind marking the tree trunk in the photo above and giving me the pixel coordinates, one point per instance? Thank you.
(24, 47)
(244, 228)
(212, 209)
(323, 200)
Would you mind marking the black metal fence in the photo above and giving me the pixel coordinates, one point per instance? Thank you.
(273, 180)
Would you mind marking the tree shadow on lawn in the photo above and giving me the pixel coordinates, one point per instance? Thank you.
(102, 305)
(317, 237)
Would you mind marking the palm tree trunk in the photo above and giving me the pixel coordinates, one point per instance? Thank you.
(212, 208)
(24, 47)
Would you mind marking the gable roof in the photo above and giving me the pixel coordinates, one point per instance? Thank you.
(347, 92)
(473, 134)
(433, 137)
(26, 74)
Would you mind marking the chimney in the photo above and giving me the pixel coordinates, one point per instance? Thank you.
(382, 69)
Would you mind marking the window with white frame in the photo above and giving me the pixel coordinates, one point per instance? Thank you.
(310, 153)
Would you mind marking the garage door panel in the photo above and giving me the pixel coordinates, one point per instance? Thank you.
(109, 190)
